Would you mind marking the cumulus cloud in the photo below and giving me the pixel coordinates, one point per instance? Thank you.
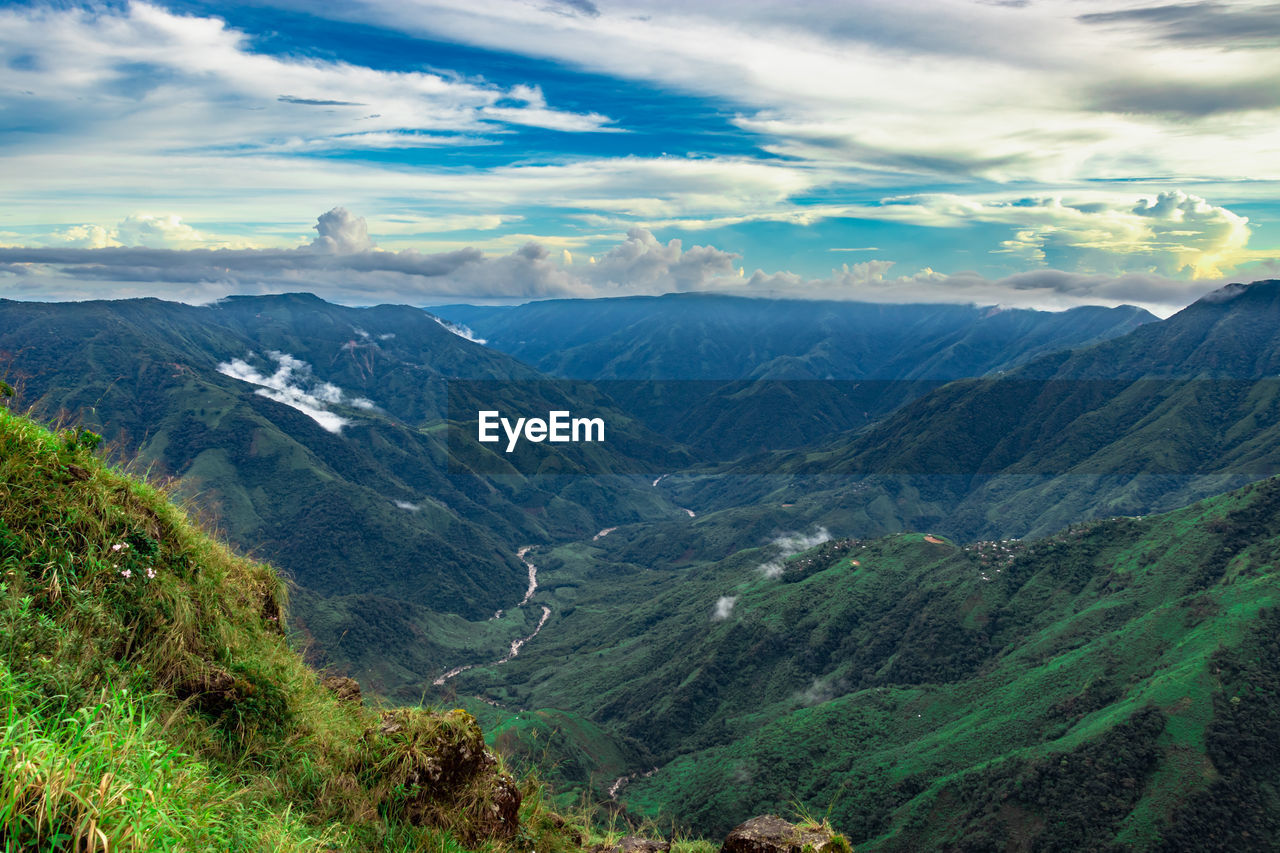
(643, 264)
(83, 237)
(1099, 250)
(343, 262)
(724, 608)
(788, 545)
(1173, 233)
(293, 384)
(166, 231)
(342, 233)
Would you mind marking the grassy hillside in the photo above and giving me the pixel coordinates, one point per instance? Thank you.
(150, 700)
(1107, 685)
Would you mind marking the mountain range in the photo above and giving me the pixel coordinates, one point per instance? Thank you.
(827, 605)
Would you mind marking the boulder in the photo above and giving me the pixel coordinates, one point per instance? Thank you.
(772, 834)
(346, 689)
(634, 844)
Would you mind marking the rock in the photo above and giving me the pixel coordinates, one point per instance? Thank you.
(213, 690)
(503, 820)
(635, 844)
(772, 834)
(346, 689)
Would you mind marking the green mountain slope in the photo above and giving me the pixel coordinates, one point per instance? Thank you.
(1171, 412)
(366, 516)
(1107, 685)
(708, 336)
(151, 702)
(712, 372)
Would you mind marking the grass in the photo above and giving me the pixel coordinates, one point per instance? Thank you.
(152, 702)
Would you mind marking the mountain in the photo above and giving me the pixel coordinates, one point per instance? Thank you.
(709, 336)
(1171, 412)
(711, 372)
(316, 436)
(1113, 685)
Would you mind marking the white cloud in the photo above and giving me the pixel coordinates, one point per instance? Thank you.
(460, 330)
(342, 233)
(877, 89)
(141, 78)
(788, 545)
(724, 607)
(348, 267)
(293, 384)
(1173, 232)
(168, 232)
(83, 237)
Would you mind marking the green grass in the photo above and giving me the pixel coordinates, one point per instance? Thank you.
(150, 699)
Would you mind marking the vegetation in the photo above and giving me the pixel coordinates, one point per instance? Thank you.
(1109, 685)
(923, 694)
(150, 700)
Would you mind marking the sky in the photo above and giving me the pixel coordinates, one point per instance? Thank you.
(1041, 153)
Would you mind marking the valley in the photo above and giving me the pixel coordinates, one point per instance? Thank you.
(893, 595)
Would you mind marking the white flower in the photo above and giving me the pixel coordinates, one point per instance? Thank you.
(126, 573)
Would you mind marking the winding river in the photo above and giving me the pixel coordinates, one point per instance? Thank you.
(516, 645)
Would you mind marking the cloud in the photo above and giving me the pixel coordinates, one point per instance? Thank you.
(820, 691)
(342, 233)
(157, 232)
(140, 78)
(1172, 233)
(459, 329)
(1216, 23)
(1192, 98)
(1161, 235)
(580, 7)
(724, 608)
(642, 264)
(870, 93)
(139, 229)
(343, 262)
(788, 545)
(293, 384)
(83, 237)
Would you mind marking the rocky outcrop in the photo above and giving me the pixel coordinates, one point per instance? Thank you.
(634, 844)
(346, 689)
(772, 834)
(434, 770)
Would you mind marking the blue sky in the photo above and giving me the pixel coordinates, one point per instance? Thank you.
(1029, 152)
